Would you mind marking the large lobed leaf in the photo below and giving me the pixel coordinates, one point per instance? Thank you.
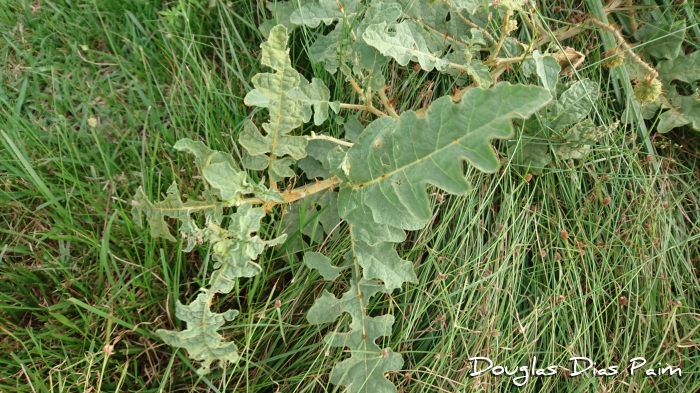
(201, 338)
(288, 97)
(363, 371)
(234, 250)
(393, 161)
(173, 207)
(678, 107)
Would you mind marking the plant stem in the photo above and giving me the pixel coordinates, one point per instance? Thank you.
(628, 49)
(486, 34)
(630, 16)
(360, 107)
(329, 138)
(385, 101)
(295, 194)
(502, 39)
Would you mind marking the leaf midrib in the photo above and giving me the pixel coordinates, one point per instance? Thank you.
(387, 175)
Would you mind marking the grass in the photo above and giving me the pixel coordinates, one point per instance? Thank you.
(595, 258)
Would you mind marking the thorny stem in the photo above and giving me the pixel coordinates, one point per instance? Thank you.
(295, 194)
(502, 39)
(329, 138)
(570, 31)
(385, 101)
(628, 49)
(368, 98)
(360, 107)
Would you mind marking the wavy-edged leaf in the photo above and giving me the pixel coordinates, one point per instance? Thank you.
(573, 105)
(320, 262)
(229, 183)
(315, 164)
(364, 370)
(316, 94)
(281, 15)
(235, 248)
(173, 207)
(531, 156)
(203, 155)
(547, 69)
(285, 113)
(677, 109)
(312, 216)
(354, 210)
(393, 161)
(382, 262)
(201, 339)
(579, 138)
(353, 128)
(325, 11)
(408, 42)
(661, 40)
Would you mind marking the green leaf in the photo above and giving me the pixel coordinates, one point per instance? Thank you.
(364, 370)
(660, 39)
(685, 69)
(407, 43)
(393, 161)
(316, 164)
(470, 5)
(281, 14)
(229, 183)
(313, 168)
(326, 11)
(382, 262)
(352, 208)
(201, 338)
(532, 156)
(316, 94)
(203, 155)
(312, 216)
(272, 91)
(172, 206)
(353, 128)
(320, 262)
(573, 105)
(328, 308)
(481, 74)
(235, 248)
(547, 69)
(580, 137)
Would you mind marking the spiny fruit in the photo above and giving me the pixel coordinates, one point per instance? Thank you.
(614, 58)
(648, 90)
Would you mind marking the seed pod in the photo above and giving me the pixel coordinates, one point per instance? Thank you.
(613, 58)
(648, 90)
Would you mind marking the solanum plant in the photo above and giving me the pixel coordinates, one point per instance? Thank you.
(372, 181)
